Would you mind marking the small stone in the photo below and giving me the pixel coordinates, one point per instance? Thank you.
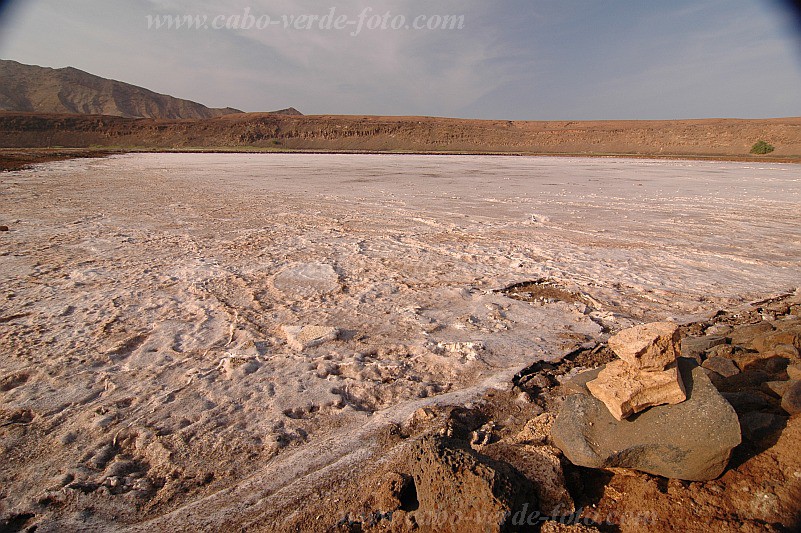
(626, 391)
(304, 337)
(723, 366)
(3, 228)
(542, 464)
(456, 482)
(648, 346)
(745, 401)
(390, 494)
(721, 350)
(791, 401)
(694, 347)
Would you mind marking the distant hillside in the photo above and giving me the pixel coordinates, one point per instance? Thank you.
(69, 90)
(724, 138)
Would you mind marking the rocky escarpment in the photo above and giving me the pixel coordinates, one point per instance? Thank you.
(273, 131)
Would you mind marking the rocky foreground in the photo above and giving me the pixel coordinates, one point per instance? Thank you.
(496, 465)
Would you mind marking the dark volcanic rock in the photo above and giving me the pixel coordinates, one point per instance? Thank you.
(692, 440)
(756, 426)
(459, 490)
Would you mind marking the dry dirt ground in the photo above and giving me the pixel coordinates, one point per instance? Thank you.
(152, 378)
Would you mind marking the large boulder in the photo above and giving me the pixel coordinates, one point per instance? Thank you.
(692, 440)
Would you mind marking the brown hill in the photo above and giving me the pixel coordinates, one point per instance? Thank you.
(69, 90)
(708, 137)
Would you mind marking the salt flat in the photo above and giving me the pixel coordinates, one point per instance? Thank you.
(151, 354)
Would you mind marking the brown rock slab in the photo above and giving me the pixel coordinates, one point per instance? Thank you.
(692, 440)
(647, 346)
(625, 390)
(542, 465)
(459, 490)
(770, 341)
(744, 335)
(791, 401)
(722, 365)
(694, 347)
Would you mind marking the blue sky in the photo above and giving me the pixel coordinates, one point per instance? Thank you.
(525, 60)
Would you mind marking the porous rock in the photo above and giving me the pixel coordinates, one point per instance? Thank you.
(647, 346)
(625, 390)
(459, 490)
(692, 440)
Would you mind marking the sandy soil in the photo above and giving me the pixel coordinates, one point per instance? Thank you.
(149, 371)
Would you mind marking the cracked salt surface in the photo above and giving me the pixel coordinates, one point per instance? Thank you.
(150, 295)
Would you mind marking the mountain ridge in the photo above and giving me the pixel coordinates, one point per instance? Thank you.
(31, 88)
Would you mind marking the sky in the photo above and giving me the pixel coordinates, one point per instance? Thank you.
(509, 60)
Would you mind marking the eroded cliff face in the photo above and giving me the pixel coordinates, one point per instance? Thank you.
(722, 137)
